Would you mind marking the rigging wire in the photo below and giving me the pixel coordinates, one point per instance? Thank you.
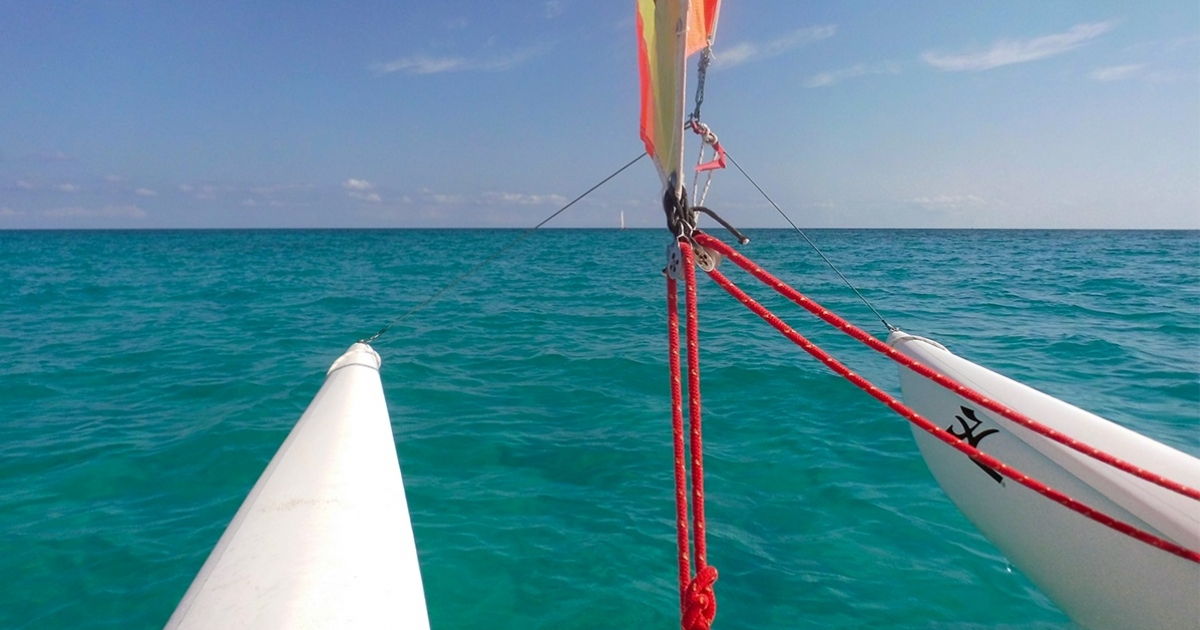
(810, 242)
(509, 245)
(693, 121)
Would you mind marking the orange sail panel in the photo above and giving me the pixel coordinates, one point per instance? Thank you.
(702, 24)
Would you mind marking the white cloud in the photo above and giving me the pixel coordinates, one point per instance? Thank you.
(421, 64)
(489, 198)
(107, 212)
(1006, 52)
(67, 188)
(736, 55)
(747, 52)
(949, 202)
(508, 61)
(521, 199)
(114, 179)
(200, 191)
(441, 198)
(23, 185)
(267, 191)
(251, 202)
(145, 192)
(359, 189)
(825, 79)
(1117, 73)
(8, 213)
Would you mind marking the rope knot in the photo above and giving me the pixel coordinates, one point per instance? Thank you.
(701, 601)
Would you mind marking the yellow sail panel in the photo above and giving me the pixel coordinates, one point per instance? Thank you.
(702, 24)
(662, 36)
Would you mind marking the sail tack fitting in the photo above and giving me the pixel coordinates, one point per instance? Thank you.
(681, 216)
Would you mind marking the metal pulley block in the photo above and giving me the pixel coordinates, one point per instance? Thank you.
(674, 268)
(706, 258)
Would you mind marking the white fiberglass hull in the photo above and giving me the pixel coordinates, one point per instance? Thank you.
(1101, 578)
(324, 539)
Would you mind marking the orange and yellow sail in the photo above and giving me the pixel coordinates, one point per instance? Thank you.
(668, 32)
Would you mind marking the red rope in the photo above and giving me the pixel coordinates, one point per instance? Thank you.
(681, 519)
(698, 604)
(936, 377)
(944, 435)
(702, 604)
(700, 551)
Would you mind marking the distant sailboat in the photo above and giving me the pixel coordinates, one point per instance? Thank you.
(622, 219)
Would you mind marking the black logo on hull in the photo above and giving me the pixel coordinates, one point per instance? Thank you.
(969, 424)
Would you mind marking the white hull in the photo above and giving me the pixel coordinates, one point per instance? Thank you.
(324, 539)
(1101, 578)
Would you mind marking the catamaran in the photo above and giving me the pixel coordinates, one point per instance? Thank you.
(1104, 520)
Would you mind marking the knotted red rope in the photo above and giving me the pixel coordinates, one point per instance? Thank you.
(702, 602)
(938, 432)
(697, 603)
(966, 392)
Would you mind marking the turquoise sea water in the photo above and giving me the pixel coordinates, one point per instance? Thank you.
(148, 377)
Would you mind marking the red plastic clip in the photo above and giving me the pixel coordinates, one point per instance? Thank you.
(702, 130)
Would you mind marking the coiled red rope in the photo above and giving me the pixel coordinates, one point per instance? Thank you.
(933, 429)
(697, 602)
(966, 392)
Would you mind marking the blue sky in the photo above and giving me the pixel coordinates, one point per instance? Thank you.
(410, 114)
